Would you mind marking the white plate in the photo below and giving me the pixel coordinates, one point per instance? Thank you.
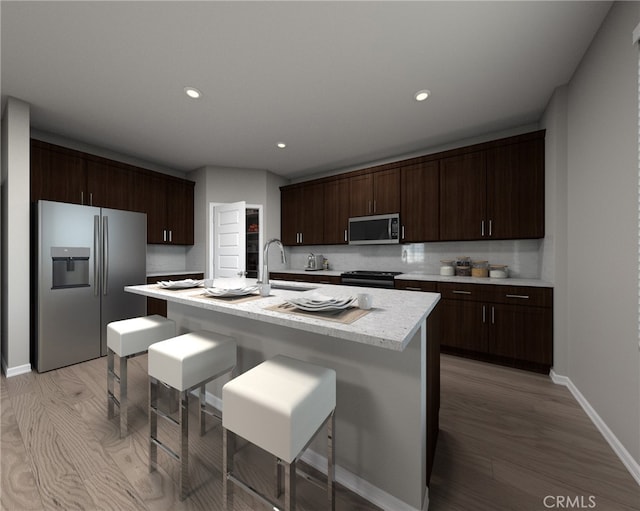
(320, 303)
(179, 284)
(218, 292)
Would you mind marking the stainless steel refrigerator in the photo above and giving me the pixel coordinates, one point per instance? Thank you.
(85, 257)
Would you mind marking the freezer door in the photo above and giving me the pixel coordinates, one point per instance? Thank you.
(67, 319)
(124, 250)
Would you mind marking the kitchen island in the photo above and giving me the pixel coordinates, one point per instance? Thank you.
(382, 366)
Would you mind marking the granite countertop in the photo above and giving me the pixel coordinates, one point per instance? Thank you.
(474, 280)
(430, 277)
(391, 323)
(170, 272)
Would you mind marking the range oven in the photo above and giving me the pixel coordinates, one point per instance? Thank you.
(369, 278)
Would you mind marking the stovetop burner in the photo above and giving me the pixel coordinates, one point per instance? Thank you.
(367, 273)
(369, 278)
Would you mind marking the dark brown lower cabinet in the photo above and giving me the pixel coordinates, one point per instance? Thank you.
(508, 325)
(157, 306)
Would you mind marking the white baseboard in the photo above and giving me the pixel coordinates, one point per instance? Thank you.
(347, 479)
(15, 371)
(631, 464)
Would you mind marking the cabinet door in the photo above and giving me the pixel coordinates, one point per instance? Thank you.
(312, 211)
(515, 190)
(463, 197)
(361, 195)
(464, 325)
(290, 199)
(336, 211)
(57, 174)
(522, 333)
(155, 199)
(179, 215)
(420, 201)
(109, 184)
(386, 192)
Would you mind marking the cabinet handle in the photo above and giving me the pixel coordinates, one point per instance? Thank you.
(490, 228)
(403, 232)
(345, 235)
(457, 292)
(482, 228)
(164, 235)
(493, 315)
(374, 206)
(170, 235)
(413, 288)
(91, 199)
(82, 198)
(484, 314)
(301, 237)
(524, 297)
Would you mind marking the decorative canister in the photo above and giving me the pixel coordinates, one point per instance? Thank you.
(447, 268)
(480, 269)
(498, 271)
(463, 267)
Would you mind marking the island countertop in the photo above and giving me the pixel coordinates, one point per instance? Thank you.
(391, 323)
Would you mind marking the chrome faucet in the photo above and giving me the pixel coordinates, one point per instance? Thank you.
(264, 278)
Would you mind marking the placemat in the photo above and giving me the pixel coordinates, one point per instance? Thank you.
(232, 299)
(345, 316)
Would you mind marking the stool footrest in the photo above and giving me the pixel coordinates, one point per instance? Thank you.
(113, 374)
(113, 398)
(164, 415)
(166, 449)
(307, 476)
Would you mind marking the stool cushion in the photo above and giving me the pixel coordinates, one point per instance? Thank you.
(187, 360)
(279, 404)
(130, 336)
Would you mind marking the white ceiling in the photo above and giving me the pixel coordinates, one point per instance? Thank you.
(334, 80)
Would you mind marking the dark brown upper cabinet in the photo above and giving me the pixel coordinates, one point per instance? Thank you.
(420, 202)
(495, 193)
(336, 212)
(375, 193)
(301, 214)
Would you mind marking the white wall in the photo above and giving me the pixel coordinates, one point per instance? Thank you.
(554, 246)
(602, 224)
(217, 184)
(15, 237)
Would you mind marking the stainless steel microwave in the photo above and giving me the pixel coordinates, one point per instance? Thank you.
(374, 230)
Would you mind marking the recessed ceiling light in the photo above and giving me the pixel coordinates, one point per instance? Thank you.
(421, 95)
(281, 145)
(192, 92)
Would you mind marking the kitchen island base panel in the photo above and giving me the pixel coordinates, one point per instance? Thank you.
(380, 410)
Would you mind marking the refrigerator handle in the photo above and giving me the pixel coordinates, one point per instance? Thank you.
(96, 253)
(105, 254)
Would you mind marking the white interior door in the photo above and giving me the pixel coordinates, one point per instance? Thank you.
(229, 247)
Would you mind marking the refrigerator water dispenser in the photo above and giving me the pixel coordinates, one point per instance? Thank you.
(70, 267)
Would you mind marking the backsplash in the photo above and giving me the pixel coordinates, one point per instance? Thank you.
(166, 258)
(522, 256)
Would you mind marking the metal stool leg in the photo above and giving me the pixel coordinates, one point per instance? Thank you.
(201, 411)
(110, 378)
(331, 455)
(123, 397)
(153, 424)
(290, 486)
(228, 452)
(184, 443)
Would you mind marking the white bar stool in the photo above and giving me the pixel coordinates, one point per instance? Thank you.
(184, 363)
(279, 406)
(129, 338)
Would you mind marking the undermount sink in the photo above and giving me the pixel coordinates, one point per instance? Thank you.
(292, 286)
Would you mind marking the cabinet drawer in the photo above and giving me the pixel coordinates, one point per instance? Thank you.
(454, 291)
(520, 295)
(417, 285)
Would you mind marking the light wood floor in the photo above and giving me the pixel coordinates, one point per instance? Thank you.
(508, 438)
